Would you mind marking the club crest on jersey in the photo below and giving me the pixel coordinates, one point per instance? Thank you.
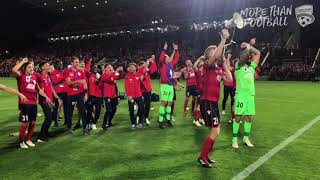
(28, 78)
(304, 15)
(79, 73)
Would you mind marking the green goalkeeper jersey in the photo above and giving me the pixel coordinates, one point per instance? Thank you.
(245, 79)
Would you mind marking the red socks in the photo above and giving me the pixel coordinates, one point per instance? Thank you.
(185, 105)
(193, 104)
(197, 115)
(232, 115)
(22, 131)
(207, 147)
(30, 130)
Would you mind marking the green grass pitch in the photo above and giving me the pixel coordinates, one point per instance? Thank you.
(152, 153)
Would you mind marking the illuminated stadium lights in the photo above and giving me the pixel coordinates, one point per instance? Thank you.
(82, 5)
(97, 3)
(156, 21)
(45, 3)
(62, 9)
(105, 2)
(167, 28)
(75, 7)
(58, 1)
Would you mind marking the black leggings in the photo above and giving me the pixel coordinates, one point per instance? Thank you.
(139, 101)
(94, 102)
(64, 98)
(48, 112)
(228, 90)
(82, 110)
(111, 109)
(147, 102)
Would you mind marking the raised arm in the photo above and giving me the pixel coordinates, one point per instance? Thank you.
(256, 54)
(163, 53)
(228, 61)
(88, 68)
(228, 76)
(13, 91)
(16, 68)
(176, 57)
(153, 66)
(224, 36)
(249, 50)
(195, 65)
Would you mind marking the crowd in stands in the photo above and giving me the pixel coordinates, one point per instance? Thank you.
(123, 51)
(294, 72)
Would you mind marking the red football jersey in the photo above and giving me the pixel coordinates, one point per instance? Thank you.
(212, 78)
(58, 81)
(226, 83)
(200, 81)
(146, 85)
(94, 85)
(109, 84)
(75, 75)
(46, 85)
(190, 76)
(132, 85)
(27, 85)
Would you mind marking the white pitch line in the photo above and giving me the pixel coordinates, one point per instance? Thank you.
(251, 168)
(277, 100)
(7, 108)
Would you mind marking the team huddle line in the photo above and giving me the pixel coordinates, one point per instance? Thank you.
(90, 86)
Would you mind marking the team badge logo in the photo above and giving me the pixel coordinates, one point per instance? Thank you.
(304, 15)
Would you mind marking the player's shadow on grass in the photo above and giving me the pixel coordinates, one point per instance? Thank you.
(149, 174)
(15, 143)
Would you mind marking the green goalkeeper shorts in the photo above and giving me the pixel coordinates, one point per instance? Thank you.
(244, 105)
(166, 93)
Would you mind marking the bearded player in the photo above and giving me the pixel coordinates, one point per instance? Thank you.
(213, 76)
(245, 92)
(166, 80)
